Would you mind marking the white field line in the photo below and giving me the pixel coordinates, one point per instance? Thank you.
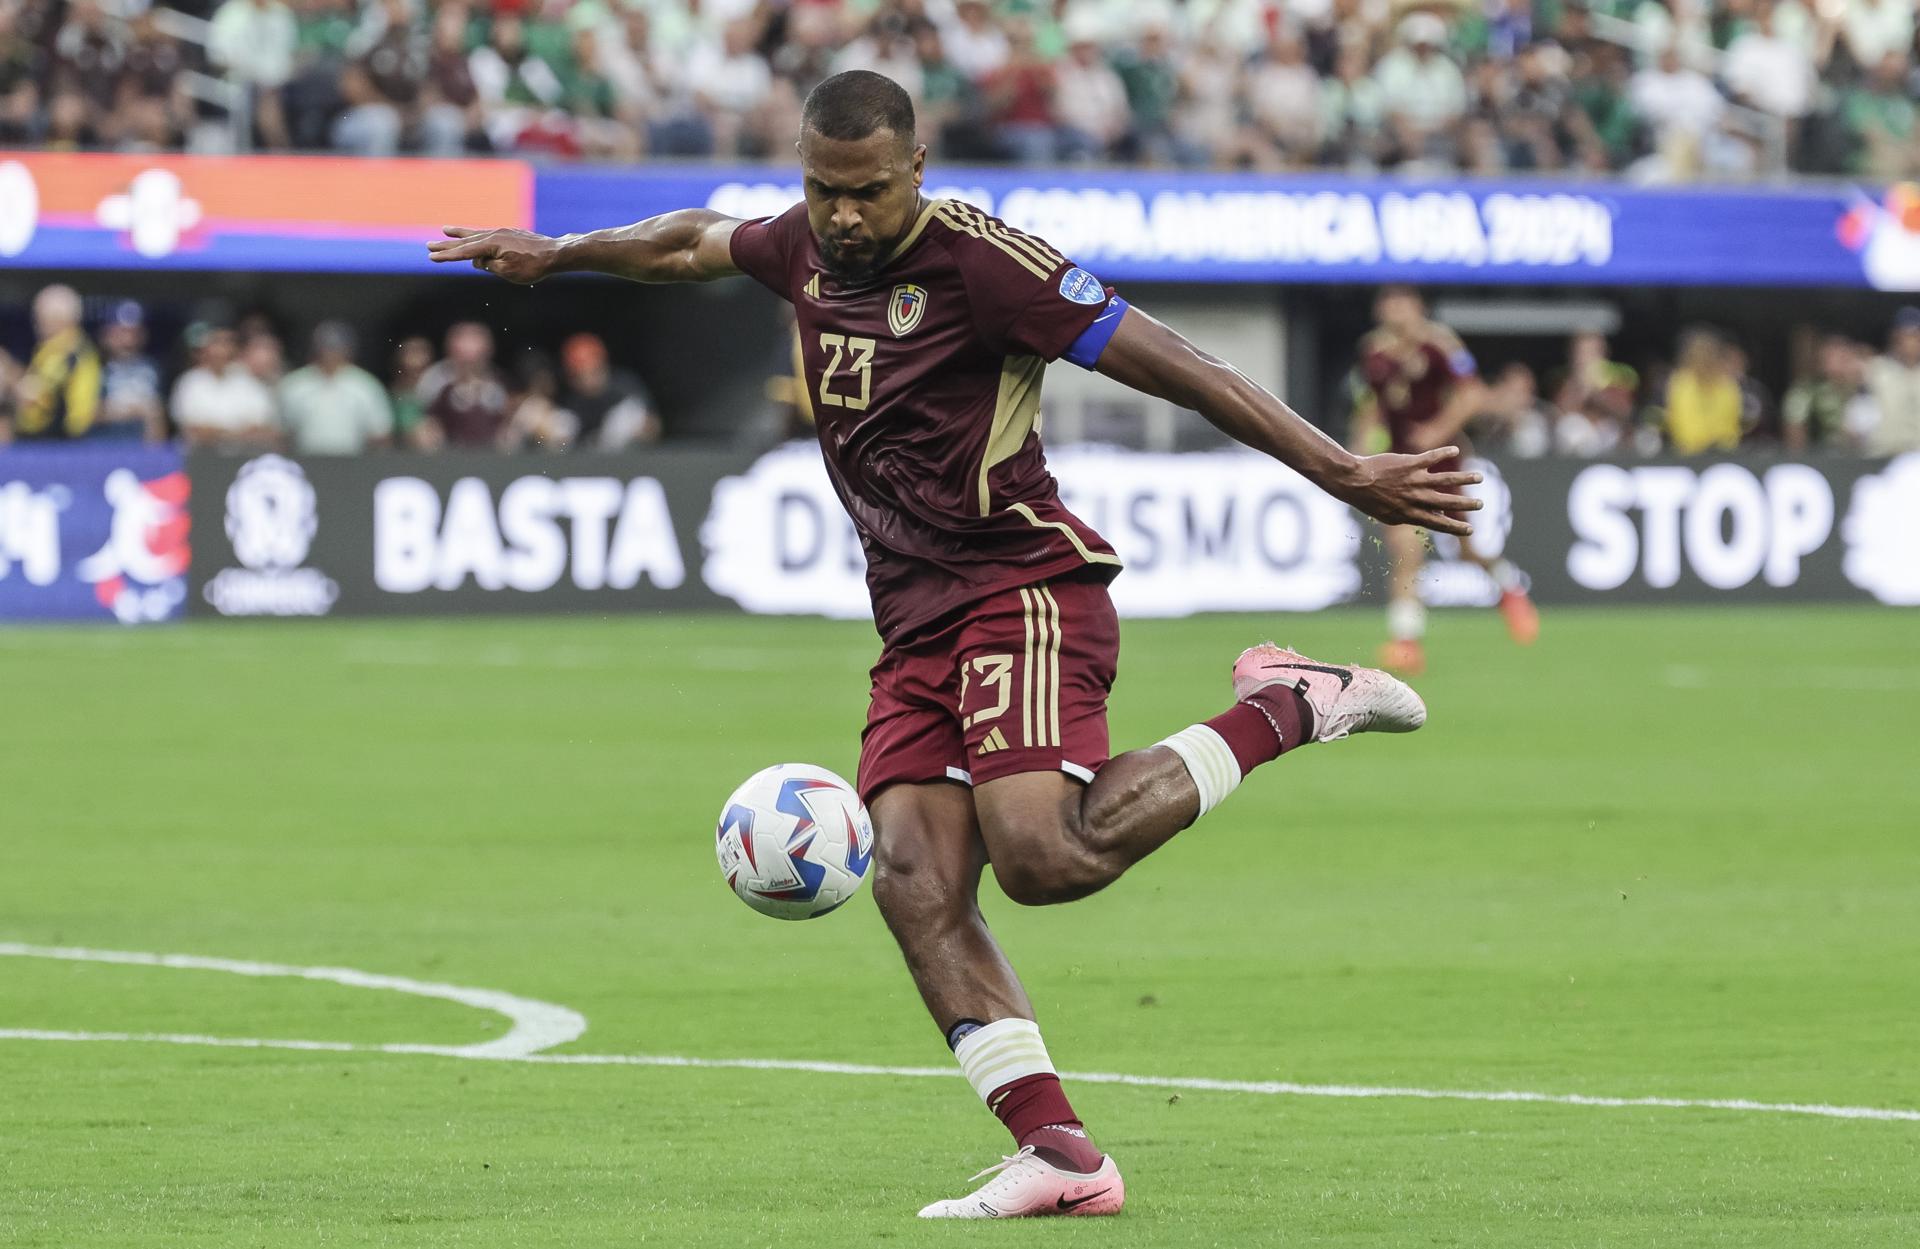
(536, 1025)
(531, 1017)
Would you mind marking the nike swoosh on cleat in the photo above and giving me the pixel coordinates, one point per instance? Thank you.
(1064, 1204)
(1346, 678)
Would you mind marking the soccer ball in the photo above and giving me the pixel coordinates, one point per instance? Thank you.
(794, 841)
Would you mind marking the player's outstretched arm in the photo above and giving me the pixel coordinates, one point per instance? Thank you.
(1398, 489)
(685, 246)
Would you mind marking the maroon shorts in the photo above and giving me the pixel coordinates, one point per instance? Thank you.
(1017, 683)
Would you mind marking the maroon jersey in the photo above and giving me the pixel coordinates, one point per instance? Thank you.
(925, 386)
(1411, 376)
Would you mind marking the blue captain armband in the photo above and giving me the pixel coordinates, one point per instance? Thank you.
(1086, 349)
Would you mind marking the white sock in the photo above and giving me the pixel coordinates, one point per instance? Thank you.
(1209, 761)
(1505, 575)
(1000, 1053)
(1406, 620)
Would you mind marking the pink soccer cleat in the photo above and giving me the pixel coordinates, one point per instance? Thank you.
(1345, 698)
(1027, 1188)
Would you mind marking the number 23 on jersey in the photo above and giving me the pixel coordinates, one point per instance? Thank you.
(846, 381)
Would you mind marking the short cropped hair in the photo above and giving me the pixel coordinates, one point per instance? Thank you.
(853, 105)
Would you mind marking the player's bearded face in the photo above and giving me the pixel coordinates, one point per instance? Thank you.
(862, 197)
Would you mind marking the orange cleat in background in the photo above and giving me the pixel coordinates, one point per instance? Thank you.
(1404, 658)
(1523, 618)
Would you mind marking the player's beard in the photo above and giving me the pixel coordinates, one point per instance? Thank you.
(848, 270)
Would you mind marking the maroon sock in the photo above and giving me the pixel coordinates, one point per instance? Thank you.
(1035, 1109)
(1268, 724)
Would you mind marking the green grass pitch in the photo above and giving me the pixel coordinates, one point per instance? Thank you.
(1660, 854)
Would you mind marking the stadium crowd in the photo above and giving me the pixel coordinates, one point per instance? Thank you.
(1844, 397)
(233, 388)
(1660, 90)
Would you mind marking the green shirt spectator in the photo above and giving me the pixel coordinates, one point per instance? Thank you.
(1152, 83)
(1879, 118)
(1814, 413)
(322, 29)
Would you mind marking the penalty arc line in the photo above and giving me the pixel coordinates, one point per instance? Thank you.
(536, 1025)
(1269, 1088)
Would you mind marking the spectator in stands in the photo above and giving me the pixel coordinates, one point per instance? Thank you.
(1020, 99)
(20, 63)
(625, 58)
(1682, 107)
(1873, 30)
(1821, 410)
(1152, 79)
(1541, 124)
(1894, 380)
(311, 98)
(1514, 417)
(130, 391)
(323, 29)
(1879, 118)
(594, 103)
(1703, 400)
(411, 360)
(260, 351)
(974, 42)
(254, 41)
(1602, 83)
(1285, 112)
(1092, 101)
(463, 400)
(88, 51)
(808, 43)
(369, 125)
(610, 406)
(516, 87)
(332, 406)
(69, 125)
(219, 403)
(57, 396)
(731, 81)
(950, 109)
(1207, 118)
(1423, 90)
(450, 119)
(1353, 109)
(535, 418)
(151, 109)
(1768, 71)
(886, 47)
(392, 47)
(1595, 399)
(1756, 405)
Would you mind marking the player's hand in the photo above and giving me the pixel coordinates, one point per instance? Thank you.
(1405, 490)
(516, 255)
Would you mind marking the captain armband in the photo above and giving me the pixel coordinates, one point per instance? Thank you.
(1086, 349)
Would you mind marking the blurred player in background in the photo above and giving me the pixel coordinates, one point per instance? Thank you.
(1418, 379)
(925, 330)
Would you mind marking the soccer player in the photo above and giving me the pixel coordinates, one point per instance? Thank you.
(1417, 376)
(925, 328)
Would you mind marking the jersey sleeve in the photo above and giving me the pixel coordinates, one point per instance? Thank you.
(1453, 353)
(1026, 298)
(763, 249)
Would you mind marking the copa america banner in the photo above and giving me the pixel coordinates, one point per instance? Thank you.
(1220, 531)
(93, 532)
(321, 214)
